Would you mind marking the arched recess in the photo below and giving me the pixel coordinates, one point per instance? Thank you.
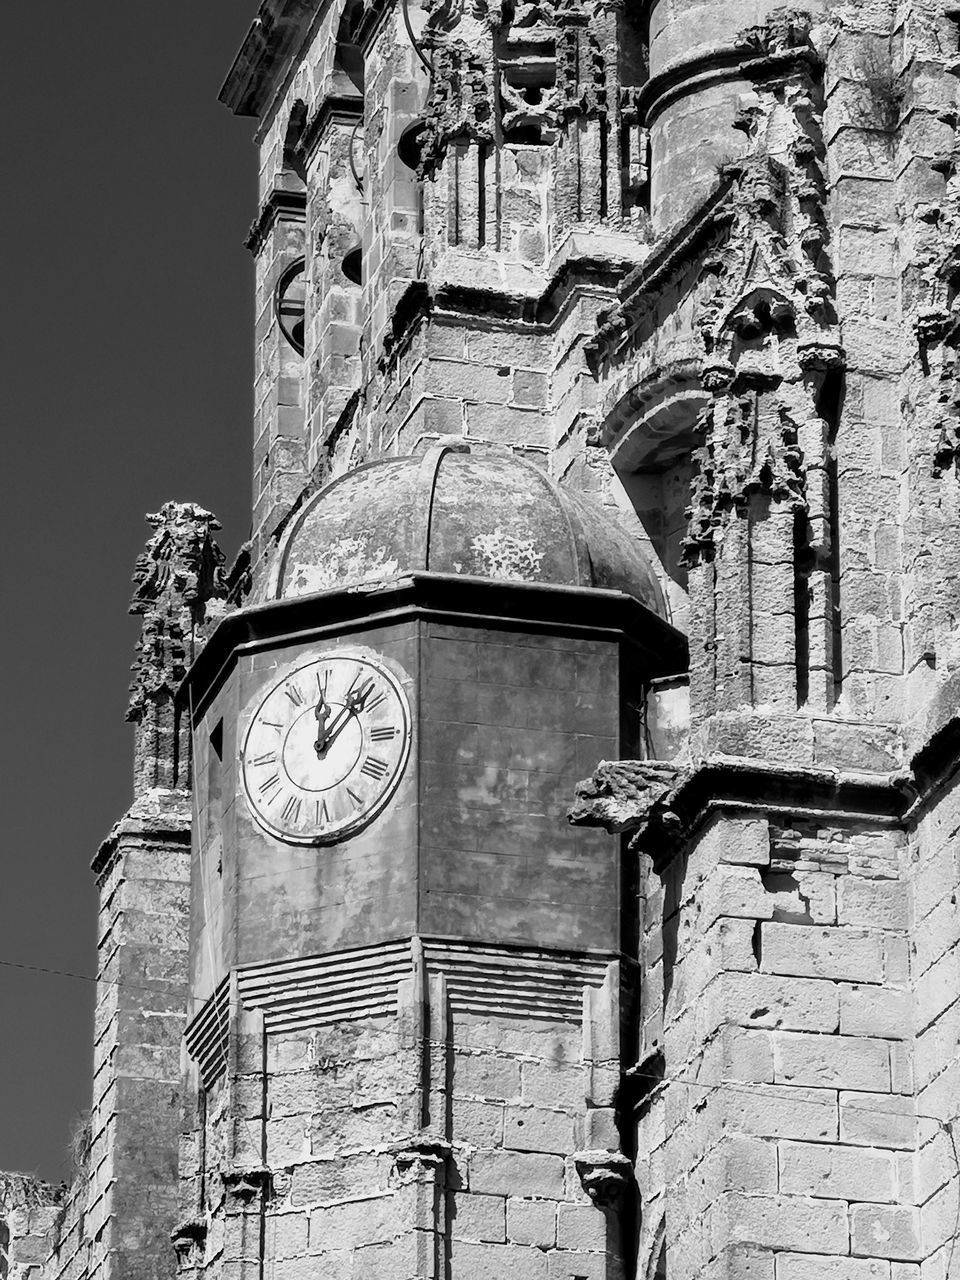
(651, 435)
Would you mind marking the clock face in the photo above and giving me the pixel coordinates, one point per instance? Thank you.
(326, 748)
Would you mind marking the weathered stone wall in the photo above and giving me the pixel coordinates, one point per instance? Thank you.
(116, 1218)
(445, 1140)
(698, 261)
(935, 877)
(29, 1210)
(778, 961)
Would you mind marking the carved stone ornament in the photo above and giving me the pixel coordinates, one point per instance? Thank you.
(178, 589)
(486, 82)
(189, 1240)
(625, 795)
(422, 1159)
(745, 453)
(783, 31)
(244, 1186)
(604, 1176)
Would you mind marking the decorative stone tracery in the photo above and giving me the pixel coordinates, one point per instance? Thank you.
(180, 589)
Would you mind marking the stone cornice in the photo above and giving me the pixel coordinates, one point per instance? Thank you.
(278, 204)
(583, 261)
(670, 255)
(156, 817)
(272, 39)
(660, 805)
(334, 109)
(692, 75)
(590, 611)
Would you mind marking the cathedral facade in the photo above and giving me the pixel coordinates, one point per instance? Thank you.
(544, 856)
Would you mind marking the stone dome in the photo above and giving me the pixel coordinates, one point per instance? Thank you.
(459, 508)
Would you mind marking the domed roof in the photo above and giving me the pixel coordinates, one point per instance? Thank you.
(459, 508)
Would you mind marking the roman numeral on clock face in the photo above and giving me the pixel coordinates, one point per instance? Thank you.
(291, 810)
(323, 813)
(269, 758)
(294, 694)
(270, 785)
(374, 768)
(383, 734)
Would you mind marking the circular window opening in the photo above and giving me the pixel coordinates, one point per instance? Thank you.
(291, 303)
(352, 265)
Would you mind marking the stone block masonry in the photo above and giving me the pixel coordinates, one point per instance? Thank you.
(697, 262)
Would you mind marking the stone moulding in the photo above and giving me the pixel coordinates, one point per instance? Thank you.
(693, 75)
(434, 597)
(673, 252)
(160, 817)
(314, 991)
(280, 203)
(267, 47)
(659, 804)
(343, 109)
(582, 270)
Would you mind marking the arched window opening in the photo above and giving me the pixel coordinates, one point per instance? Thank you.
(409, 150)
(294, 169)
(290, 303)
(348, 58)
(352, 265)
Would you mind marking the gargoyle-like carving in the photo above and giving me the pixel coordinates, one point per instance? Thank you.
(420, 1159)
(604, 1175)
(946, 453)
(625, 795)
(189, 1239)
(243, 1186)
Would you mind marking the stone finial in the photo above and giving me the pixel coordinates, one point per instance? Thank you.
(179, 587)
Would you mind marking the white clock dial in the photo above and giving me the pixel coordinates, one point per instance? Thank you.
(325, 748)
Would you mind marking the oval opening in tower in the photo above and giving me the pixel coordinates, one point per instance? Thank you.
(352, 265)
(410, 146)
(290, 304)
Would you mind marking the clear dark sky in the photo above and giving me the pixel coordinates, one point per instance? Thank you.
(127, 336)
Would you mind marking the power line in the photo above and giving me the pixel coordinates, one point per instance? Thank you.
(712, 1086)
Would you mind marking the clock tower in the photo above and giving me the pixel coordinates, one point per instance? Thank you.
(550, 856)
(407, 970)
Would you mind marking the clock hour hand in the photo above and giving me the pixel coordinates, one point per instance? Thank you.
(353, 705)
(327, 736)
(322, 712)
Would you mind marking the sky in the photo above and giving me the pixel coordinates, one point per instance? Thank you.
(126, 324)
